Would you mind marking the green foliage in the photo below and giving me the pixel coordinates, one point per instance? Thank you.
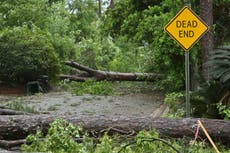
(220, 63)
(63, 23)
(88, 87)
(149, 141)
(115, 17)
(127, 57)
(224, 105)
(224, 110)
(87, 52)
(61, 139)
(18, 105)
(64, 47)
(93, 87)
(83, 19)
(52, 18)
(46, 31)
(106, 53)
(132, 33)
(106, 87)
(105, 145)
(23, 12)
(221, 19)
(139, 24)
(175, 101)
(141, 5)
(26, 53)
(142, 42)
(204, 101)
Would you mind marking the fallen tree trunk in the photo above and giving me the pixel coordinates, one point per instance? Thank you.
(108, 75)
(19, 126)
(10, 144)
(73, 78)
(12, 112)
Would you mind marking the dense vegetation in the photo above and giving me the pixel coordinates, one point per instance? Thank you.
(36, 37)
(128, 37)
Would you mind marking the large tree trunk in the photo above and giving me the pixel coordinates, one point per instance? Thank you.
(207, 41)
(4, 111)
(19, 126)
(99, 8)
(109, 76)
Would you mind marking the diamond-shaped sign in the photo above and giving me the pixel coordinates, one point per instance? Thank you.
(186, 28)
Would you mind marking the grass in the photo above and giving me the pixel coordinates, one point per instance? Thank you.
(18, 105)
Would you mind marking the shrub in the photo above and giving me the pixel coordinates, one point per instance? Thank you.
(224, 110)
(89, 87)
(176, 103)
(204, 101)
(60, 139)
(26, 53)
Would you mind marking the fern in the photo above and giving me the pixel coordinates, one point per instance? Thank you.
(220, 63)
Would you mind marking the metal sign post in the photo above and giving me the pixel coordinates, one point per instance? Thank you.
(186, 28)
(187, 83)
(187, 74)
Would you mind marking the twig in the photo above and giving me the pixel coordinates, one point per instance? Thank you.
(151, 140)
(117, 130)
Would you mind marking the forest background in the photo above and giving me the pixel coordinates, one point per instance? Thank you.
(36, 37)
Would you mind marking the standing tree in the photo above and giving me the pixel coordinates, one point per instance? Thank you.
(99, 8)
(207, 41)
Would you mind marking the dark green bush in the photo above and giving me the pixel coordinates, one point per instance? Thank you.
(204, 101)
(26, 53)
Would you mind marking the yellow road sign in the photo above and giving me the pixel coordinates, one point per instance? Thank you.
(186, 28)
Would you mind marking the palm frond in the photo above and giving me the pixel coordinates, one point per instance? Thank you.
(220, 64)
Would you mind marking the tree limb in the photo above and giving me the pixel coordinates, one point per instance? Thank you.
(109, 75)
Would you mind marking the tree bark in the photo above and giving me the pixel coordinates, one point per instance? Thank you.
(111, 5)
(19, 126)
(10, 144)
(109, 76)
(12, 112)
(99, 8)
(207, 41)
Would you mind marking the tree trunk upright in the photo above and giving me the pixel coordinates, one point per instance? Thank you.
(206, 13)
(111, 5)
(99, 8)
